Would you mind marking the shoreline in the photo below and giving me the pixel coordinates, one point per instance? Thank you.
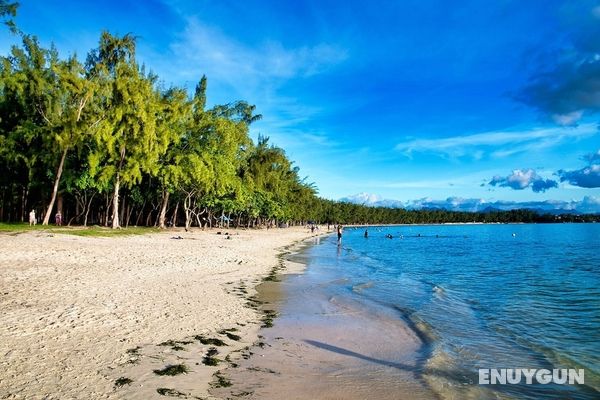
(321, 345)
(96, 316)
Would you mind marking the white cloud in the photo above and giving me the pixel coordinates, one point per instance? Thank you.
(521, 179)
(201, 48)
(497, 143)
(568, 119)
(254, 72)
(363, 198)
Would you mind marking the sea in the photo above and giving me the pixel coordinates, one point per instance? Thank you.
(416, 311)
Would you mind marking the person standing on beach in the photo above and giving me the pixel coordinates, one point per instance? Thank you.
(58, 219)
(339, 233)
(32, 220)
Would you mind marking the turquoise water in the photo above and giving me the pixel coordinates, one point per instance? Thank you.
(481, 296)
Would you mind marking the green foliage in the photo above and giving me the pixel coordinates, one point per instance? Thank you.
(8, 10)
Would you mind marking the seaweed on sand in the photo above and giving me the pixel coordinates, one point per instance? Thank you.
(122, 381)
(232, 336)
(172, 370)
(170, 392)
(175, 345)
(268, 318)
(221, 381)
(210, 341)
(210, 358)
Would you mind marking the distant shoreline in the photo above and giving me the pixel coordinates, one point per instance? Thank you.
(465, 223)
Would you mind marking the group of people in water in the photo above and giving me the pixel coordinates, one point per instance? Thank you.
(340, 230)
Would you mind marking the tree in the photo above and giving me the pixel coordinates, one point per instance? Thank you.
(24, 83)
(8, 10)
(128, 142)
(67, 122)
(174, 118)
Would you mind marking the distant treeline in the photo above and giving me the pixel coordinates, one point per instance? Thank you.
(104, 142)
(348, 213)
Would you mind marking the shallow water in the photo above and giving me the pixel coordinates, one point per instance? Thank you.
(415, 316)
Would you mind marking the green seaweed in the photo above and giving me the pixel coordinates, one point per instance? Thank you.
(212, 352)
(210, 341)
(209, 359)
(122, 381)
(175, 345)
(232, 336)
(172, 370)
(242, 394)
(268, 318)
(170, 392)
(134, 351)
(221, 381)
(258, 369)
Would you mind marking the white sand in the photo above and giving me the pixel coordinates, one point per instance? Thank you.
(72, 307)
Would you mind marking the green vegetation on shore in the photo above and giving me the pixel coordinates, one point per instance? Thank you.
(95, 231)
(105, 142)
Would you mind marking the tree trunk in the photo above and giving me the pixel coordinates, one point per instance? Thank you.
(106, 212)
(55, 188)
(149, 218)
(122, 208)
(78, 212)
(129, 212)
(140, 214)
(115, 221)
(174, 218)
(186, 207)
(163, 211)
(24, 195)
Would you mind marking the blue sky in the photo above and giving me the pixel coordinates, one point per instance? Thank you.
(413, 101)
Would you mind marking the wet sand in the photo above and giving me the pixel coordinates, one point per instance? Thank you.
(327, 347)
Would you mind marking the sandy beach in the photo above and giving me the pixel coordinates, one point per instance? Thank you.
(79, 313)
